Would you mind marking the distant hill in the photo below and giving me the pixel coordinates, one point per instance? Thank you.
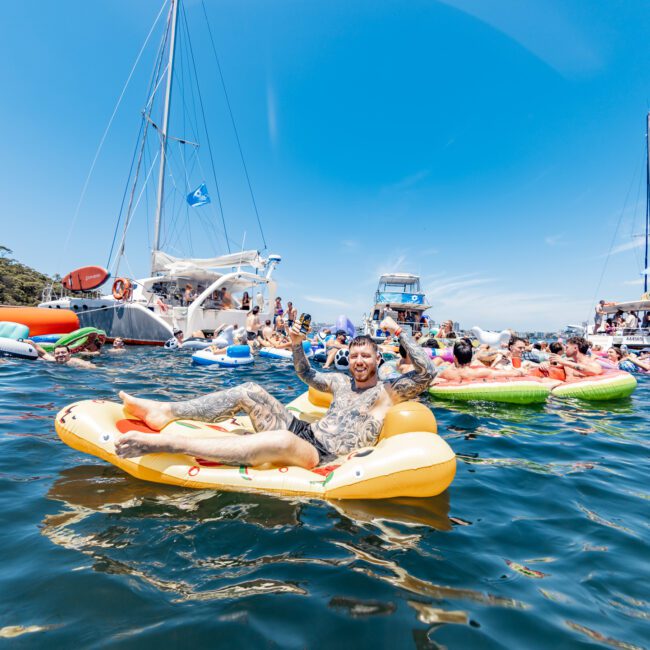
(20, 284)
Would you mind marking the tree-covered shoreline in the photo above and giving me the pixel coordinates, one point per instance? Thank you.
(20, 284)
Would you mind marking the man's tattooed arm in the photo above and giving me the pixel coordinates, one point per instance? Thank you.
(317, 380)
(412, 383)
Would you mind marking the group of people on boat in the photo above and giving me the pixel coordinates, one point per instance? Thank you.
(624, 322)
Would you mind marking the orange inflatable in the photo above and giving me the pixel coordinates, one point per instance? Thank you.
(41, 320)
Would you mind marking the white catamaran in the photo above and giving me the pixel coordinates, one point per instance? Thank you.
(635, 333)
(185, 293)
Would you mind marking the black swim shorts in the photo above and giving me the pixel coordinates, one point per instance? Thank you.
(303, 430)
(251, 336)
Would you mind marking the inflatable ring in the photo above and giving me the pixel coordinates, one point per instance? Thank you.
(122, 289)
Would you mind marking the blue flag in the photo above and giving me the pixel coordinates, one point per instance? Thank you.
(199, 196)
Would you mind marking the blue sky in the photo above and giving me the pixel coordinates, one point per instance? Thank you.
(495, 148)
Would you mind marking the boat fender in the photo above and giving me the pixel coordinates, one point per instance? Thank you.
(238, 351)
(122, 289)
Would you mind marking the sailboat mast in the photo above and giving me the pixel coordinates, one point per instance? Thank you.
(647, 205)
(165, 125)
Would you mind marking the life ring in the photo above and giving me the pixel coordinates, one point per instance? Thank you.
(122, 289)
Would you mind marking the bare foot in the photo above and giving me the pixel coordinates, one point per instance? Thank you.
(137, 444)
(155, 414)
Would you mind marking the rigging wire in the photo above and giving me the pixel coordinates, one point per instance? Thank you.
(140, 142)
(234, 126)
(207, 135)
(614, 238)
(105, 135)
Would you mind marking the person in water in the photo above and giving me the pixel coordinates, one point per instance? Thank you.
(61, 355)
(353, 420)
(118, 346)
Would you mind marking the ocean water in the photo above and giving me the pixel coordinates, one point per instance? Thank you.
(541, 541)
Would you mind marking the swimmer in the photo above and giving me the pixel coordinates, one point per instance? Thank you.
(353, 420)
(118, 346)
(60, 355)
(463, 370)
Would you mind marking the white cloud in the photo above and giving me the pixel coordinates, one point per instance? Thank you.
(350, 244)
(320, 300)
(634, 282)
(474, 300)
(555, 240)
(628, 246)
(407, 182)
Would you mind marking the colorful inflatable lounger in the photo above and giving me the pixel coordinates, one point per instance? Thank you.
(613, 384)
(77, 340)
(410, 459)
(510, 390)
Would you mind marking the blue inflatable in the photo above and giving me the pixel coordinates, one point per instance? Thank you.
(236, 355)
(345, 324)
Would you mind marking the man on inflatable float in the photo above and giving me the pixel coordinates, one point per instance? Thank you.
(353, 420)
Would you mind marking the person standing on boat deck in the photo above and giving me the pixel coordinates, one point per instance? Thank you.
(599, 315)
(632, 321)
(253, 324)
(292, 314)
(245, 301)
(353, 420)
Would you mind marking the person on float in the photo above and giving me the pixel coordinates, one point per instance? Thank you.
(463, 370)
(334, 345)
(353, 420)
(577, 364)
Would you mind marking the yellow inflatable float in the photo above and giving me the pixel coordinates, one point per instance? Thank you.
(409, 460)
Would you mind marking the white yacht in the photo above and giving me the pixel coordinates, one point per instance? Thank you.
(400, 296)
(181, 292)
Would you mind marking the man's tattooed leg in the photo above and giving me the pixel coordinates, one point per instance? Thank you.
(266, 412)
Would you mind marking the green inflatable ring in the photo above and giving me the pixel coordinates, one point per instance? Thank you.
(77, 340)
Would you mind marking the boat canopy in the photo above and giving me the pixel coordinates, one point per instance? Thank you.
(399, 278)
(634, 305)
(167, 264)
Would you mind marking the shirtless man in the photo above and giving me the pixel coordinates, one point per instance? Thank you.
(266, 334)
(576, 364)
(118, 346)
(353, 420)
(61, 355)
(463, 370)
(292, 314)
(253, 325)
